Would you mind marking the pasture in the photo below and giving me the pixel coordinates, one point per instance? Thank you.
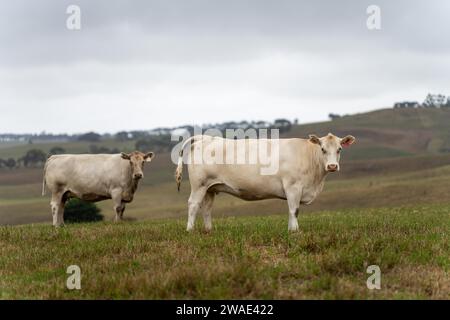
(244, 257)
(389, 206)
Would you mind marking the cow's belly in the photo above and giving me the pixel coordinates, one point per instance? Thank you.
(249, 192)
(87, 196)
(86, 192)
(92, 197)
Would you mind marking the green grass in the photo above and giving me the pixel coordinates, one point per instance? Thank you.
(244, 257)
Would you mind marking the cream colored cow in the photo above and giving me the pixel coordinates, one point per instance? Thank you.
(302, 168)
(93, 177)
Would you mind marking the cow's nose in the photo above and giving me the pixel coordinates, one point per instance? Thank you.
(332, 167)
(138, 175)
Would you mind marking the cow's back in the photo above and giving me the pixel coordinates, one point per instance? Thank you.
(84, 174)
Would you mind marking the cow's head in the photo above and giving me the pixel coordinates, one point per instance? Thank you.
(137, 160)
(331, 147)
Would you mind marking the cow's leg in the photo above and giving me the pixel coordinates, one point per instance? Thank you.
(57, 205)
(194, 202)
(119, 209)
(119, 206)
(123, 209)
(293, 196)
(206, 210)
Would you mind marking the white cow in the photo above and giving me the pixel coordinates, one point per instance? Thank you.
(93, 177)
(303, 166)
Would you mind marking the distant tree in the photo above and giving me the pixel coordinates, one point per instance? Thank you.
(90, 136)
(333, 116)
(428, 102)
(283, 125)
(10, 163)
(34, 157)
(434, 101)
(447, 104)
(261, 124)
(440, 100)
(138, 134)
(122, 136)
(56, 150)
(77, 210)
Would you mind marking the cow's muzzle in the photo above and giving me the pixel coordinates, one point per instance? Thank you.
(138, 176)
(332, 167)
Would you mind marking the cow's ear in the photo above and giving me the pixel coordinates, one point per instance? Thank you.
(314, 139)
(125, 156)
(149, 156)
(347, 141)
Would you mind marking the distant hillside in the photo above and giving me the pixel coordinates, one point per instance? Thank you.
(388, 132)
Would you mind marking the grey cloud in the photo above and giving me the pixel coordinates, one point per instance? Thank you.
(167, 56)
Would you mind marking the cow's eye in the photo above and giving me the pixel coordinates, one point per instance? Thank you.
(143, 162)
(324, 151)
(339, 150)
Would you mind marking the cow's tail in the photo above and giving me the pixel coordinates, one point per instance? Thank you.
(44, 183)
(179, 170)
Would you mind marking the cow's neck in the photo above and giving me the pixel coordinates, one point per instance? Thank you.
(131, 184)
(319, 172)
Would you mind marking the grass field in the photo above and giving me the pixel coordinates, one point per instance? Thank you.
(245, 257)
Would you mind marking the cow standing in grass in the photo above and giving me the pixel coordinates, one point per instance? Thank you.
(302, 168)
(93, 177)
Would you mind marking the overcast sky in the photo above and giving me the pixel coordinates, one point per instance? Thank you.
(146, 64)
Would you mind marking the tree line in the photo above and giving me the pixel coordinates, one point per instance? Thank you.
(431, 101)
(37, 157)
